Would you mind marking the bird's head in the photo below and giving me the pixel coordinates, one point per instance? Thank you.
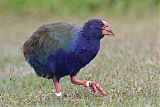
(98, 28)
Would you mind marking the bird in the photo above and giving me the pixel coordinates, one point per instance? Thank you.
(59, 49)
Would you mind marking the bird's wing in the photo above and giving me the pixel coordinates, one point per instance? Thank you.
(49, 38)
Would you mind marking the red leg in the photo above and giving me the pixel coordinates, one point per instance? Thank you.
(74, 80)
(56, 85)
(58, 92)
(93, 86)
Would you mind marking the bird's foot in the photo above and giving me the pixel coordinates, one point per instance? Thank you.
(59, 96)
(95, 87)
(60, 99)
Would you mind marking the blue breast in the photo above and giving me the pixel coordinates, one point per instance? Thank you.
(64, 62)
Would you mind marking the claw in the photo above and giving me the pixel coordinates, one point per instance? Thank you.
(94, 87)
(101, 89)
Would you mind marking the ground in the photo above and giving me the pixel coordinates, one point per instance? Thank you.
(127, 67)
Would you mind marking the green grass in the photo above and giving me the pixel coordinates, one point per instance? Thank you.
(127, 67)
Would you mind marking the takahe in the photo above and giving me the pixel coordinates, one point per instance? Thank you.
(59, 49)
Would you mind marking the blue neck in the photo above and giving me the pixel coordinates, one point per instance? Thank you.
(87, 47)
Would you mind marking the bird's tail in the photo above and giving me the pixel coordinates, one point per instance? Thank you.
(30, 56)
(33, 59)
(40, 69)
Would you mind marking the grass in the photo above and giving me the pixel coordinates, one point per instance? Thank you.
(127, 67)
(74, 7)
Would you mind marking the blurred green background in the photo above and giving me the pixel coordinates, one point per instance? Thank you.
(77, 7)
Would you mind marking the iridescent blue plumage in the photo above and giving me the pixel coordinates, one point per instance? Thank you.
(61, 49)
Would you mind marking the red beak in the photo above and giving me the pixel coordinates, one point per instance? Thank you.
(107, 29)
